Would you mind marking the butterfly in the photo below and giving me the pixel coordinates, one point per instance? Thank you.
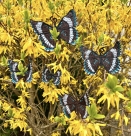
(47, 76)
(13, 66)
(109, 59)
(66, 27)
(69, 104)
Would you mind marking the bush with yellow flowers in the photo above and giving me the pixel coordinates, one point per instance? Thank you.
(33, 108)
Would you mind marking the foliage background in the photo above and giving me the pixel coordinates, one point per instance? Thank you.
(33, 108)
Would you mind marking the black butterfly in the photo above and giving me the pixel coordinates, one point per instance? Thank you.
(69, 104)
(13, 66)
(47, 76)
(66, 27)
(109, 59)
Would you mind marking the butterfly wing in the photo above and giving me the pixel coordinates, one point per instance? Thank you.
(110, 59)
(68, 103)
(84, 100)
(91, 60)
(13, 66)
(14, 69)
(56, 77)
(67, 26)
(43, 31)
(28, 73)
(46, 75)
(81, 108)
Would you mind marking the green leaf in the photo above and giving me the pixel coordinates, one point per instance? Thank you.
(51, 6)
(20, 2)
(101, 39)
(0, 17)
(19, 73)
(20, 66)
(129, 94)
(92, 111)
(112, 82)
(9, 22)
(26, 19)
(129, 104)
(108, 14)
(60, 120)
(8, 5)
(99, 116)
(57, 48)
(118, 88)
(26, 16)
(10, 113)
(54, 33)
(124, 1)
(63, 121)
(57, 119)
(22, 55)
(79, 41)
(22, 69)
(4, 61)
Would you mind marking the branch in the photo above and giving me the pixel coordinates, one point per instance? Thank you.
(116, 127)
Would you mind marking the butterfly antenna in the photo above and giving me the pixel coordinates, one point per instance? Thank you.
(54, 20)
(102, 50)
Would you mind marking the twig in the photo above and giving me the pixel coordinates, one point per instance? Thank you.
(116, 127)
(53, 124)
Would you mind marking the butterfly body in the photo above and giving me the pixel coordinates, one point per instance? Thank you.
(66, 29)
(13, 66)
(69, 104)
(47, 76)
(108, 60)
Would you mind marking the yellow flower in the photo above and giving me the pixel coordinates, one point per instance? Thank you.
(65, 77)
(55, 134)
(65, 54)
(5, 125)
(6, 106)
(50, 93)
(35, 78)
(22, 101)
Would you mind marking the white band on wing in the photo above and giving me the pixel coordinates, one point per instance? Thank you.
(70, 23)
(41, 35)
(89, 65)
(114, 52)
(65, 99)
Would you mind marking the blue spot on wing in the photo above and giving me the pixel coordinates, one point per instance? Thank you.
(117, 67)
(63, 106)
(65, 112)
(14, 77)
(118, 48)
(87, 69)
(75, 35)
(74, 18)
